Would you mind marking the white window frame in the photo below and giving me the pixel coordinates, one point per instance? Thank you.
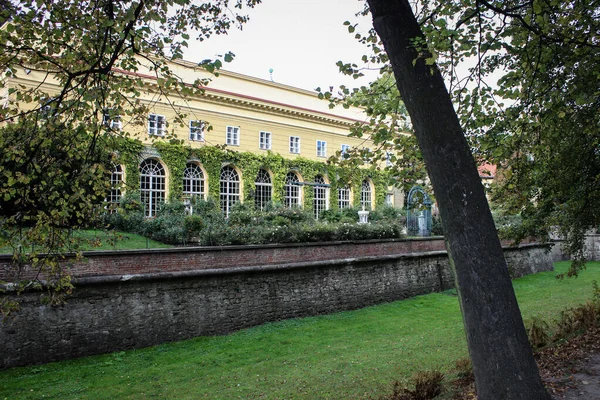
(264, 189)
(388, 159)
(320, 196)
(46, 110)
(367, 155)
(193, 181)
(153, 186)
(264, 140)
(345, 149)
(295, 144)
(321, 148)
(114, 123)
(229, 189)
(116, 186)
(196, 130)
(232, 136)
(157, 125)
(344, 197)
(366, 195)
(292, 190)
(389, 199)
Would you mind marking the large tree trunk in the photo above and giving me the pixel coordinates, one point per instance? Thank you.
(502, 358)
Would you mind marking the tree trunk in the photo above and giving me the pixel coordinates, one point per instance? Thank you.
(502, 358)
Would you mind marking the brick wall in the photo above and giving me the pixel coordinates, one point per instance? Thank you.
(195, 258)
(116, 312)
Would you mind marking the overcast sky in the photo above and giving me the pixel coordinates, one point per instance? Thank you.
(301, 40)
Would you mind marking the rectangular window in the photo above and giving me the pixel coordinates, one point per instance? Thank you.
(111, 121)
(295, 144)
(389, 199)
(264, 140)
(47, 107)
(233, 136)
(157, 125)
(345, 150)
(344, 197)
(321, 148)
(197, 131)
(388, 159)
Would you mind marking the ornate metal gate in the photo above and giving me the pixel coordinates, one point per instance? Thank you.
(418, 212)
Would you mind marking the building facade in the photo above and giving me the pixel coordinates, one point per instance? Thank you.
(242, 139)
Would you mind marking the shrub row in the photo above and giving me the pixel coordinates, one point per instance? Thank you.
(208, 226)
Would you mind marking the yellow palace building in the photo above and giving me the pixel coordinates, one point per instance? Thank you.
(244, 139)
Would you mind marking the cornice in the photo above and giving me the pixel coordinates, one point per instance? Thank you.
(241, 101)
(293, 112)
(194, 66)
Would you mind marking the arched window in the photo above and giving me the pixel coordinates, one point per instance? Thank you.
(321, 192)
(264, 189)
(116, 184)
(344, 197)
(152, 186)
(366, 195)
(229, 189)
(292, 190)
(193, 181)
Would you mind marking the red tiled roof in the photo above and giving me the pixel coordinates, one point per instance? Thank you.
(487, 170)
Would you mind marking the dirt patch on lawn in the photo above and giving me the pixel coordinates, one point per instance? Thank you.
(570, 369)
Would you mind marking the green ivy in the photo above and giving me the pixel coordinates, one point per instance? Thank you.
(175, 156)
(129, 156)
(212, 158)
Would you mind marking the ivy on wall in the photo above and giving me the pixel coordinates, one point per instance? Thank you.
(129, 155)
(175, 156)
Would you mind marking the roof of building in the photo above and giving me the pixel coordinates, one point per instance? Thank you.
(487, 170)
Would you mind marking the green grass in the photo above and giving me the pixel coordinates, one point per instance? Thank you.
(354, 354)
(102, 240)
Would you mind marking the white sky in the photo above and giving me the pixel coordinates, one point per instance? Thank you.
(301, 40)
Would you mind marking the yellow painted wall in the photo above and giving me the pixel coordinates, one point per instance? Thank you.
(236, 100)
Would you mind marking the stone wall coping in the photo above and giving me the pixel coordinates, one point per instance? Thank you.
(158, 276)
(526, 245)
(191, 249)
(161, 276)
(103, 279)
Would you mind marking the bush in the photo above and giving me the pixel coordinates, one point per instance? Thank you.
(537, 332)
(436, 226)
(193, 224)
(169, 224)
(245, 214)
(464, 369)
(506, 224)
(428, 385)
(129, 215)
(247, 225)
(387, 214)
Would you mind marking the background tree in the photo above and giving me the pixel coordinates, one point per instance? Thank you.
(523, 75)
(57, 145)
(387, 125)
(502, 358)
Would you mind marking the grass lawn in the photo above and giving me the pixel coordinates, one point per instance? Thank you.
(102, 240)
(348, 355)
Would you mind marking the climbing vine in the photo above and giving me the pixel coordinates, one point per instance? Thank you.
(175, 156)
(212, 159)
(129, 156)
